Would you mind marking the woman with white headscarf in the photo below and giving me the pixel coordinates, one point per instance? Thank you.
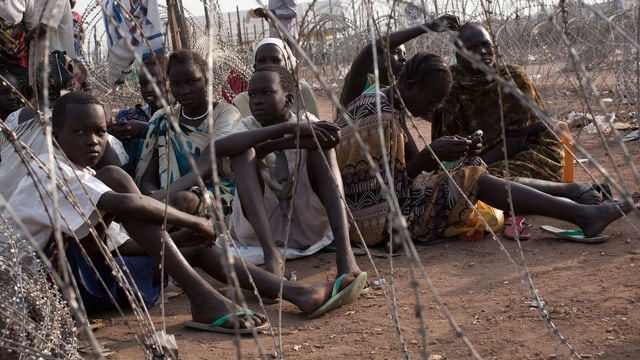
(275, 51)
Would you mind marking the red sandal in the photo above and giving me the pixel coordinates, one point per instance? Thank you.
(517, 224)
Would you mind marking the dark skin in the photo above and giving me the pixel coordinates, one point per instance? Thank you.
(362, 65)
(592, 219)
(9, 101)
(132, 129)
(270, 54)
(419, 100)
(271, 106)
(479, 48)
(188, 86)
(262, 141)
(83, 137)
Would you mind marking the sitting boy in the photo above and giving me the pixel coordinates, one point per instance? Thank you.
(87, 202)
(291, 191)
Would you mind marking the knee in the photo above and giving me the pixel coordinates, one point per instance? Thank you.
(186, 201)
(243, 158)
(117, 179)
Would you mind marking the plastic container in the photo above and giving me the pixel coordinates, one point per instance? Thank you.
(562, 129)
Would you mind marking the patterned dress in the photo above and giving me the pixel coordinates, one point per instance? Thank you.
(134, 146)
(174, 152)
(474, 103)
(430, 202)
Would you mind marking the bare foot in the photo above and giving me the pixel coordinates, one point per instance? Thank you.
(584, 193)
(599, 217)
(314, 296)
(214, 307)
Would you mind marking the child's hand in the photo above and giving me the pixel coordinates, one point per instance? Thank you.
(204, 232)
(125, 130)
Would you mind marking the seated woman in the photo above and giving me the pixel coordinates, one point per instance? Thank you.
(274, 51)
(425, 194)
(165, 160)
(476, 103)
(360, 75)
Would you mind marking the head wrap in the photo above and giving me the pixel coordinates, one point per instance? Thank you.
(289, 59)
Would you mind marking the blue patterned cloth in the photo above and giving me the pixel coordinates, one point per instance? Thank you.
(133, 147)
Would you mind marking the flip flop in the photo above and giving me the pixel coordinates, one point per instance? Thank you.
(344, 297)
(517, 224)
(217, 327)
(573, 235)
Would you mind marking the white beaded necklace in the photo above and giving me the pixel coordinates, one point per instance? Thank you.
(195, 117)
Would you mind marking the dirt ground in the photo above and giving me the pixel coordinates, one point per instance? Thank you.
(591, 294)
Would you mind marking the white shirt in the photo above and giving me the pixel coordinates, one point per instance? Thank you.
(268, 165)
(35, 208)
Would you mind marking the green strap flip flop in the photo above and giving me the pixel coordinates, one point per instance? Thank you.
(573, 235)
(217, 327)
(348, 295)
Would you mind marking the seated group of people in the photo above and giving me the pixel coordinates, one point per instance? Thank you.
(289, 173)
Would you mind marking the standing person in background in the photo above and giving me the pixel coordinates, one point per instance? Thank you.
(55, 25)
(286, 12)
(78, 30)
(14, 50)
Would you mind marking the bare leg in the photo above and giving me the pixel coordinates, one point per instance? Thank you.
(592, 219)
(306, 297)
(582, 192)
(207, 304)
(186, 201)
(322, 182)
(251, 194)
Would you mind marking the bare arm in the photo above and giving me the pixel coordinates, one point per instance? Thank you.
(446, 148)
(514, 146)
(141, 208)
(262, 139)
(410, 147)
(227, 146)
(356, 78)
(291, 142)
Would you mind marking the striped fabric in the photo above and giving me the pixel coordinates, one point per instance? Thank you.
(144, 35)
